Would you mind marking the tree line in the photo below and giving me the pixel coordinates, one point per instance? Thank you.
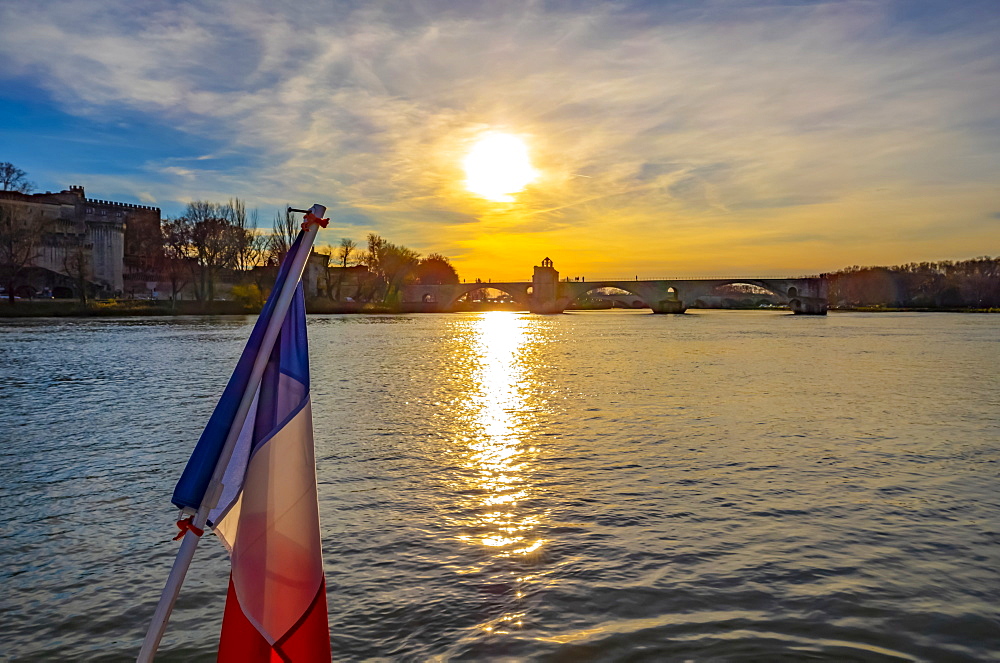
(973, 283)
(206, 241)
(391, 266)
(211, 241)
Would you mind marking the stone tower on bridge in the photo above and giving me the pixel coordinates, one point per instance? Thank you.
(544, 294)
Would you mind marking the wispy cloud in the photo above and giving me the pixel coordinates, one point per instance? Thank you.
(669, 124)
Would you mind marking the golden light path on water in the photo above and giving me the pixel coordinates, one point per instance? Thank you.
(498, 460)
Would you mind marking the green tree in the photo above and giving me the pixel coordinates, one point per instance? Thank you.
(390, 265)
(435, 269)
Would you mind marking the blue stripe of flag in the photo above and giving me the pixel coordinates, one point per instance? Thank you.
(190, 489)
(290, 357)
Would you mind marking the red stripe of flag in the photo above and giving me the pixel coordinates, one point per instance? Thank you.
(306, 642)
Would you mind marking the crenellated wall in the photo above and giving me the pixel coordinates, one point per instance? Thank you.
(113, 240)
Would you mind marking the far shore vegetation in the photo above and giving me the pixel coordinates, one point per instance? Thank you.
(968, 286)
(216, 259)
(926, 286)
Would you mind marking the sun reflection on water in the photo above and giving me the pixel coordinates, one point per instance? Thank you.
(498, 458)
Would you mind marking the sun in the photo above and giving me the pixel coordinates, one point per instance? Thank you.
(498, 166)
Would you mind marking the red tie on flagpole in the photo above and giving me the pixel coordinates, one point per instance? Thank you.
(187, 525)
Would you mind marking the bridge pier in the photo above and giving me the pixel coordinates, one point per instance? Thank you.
(668, 306)
(808, 306)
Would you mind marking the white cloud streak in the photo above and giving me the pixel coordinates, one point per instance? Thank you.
(727, 113)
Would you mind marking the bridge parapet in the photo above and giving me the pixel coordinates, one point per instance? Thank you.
(545, 294)
(803, 295)
(442, 298)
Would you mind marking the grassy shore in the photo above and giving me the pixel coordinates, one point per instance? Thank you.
(66, 308)
(62, 308)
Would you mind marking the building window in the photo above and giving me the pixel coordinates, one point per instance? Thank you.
(90, 210)
(104, 212)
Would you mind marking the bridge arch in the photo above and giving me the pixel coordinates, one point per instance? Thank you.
(463, 289)
(769, 288)
(628, 296)
(741, 293)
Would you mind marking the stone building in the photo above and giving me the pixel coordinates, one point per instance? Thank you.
(314, 276)
(116, 245)
(347, 283)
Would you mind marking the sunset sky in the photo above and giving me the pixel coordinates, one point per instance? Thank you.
(664, 138)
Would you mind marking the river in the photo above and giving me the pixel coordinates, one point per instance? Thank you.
(592, 486)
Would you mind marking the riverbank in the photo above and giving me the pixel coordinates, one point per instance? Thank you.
(887, 309)
(61, 308)
(69, 308)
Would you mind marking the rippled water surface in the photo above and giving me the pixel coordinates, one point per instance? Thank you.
(717, 486)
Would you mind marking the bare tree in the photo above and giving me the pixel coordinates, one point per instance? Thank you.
(13, 178)
(344, 250)
(209, 246)
(220, 237)
(284, 230)
(21, 234)
(176, 254)
(76, 265)
(257, 251)
(245, 245)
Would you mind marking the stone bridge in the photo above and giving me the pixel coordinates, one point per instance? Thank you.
(545, 293)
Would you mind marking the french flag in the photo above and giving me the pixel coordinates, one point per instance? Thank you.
(266, 509)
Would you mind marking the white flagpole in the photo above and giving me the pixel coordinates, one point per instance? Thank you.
(190, 541)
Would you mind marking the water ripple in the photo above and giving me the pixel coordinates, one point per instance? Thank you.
(724, 486)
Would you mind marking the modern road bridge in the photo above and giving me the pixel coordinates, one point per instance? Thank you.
(545, 293)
